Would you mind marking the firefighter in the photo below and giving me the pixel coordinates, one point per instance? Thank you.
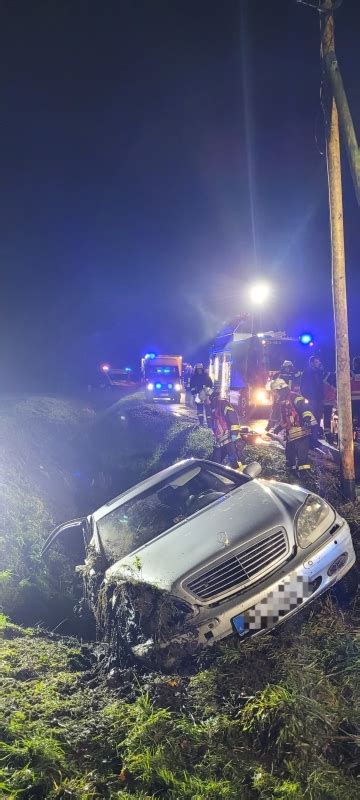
(296, 421)
(226, 429)
(289, 374)
(275, 411)
(188, 371)
(356, 367)
(312, 387)
(200, 384)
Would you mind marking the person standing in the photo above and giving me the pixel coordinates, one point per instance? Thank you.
(188, 371)
(225, 426)
(275, 410)
(290, 375)
(200, 382)
(312, 387)
(296, 421)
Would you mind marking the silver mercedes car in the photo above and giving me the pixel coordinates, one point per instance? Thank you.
(241, 554)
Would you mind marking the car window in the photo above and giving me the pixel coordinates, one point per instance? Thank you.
(138, 521)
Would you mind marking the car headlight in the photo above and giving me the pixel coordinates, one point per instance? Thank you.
(150, 387)
(177, 387)
(314, 518)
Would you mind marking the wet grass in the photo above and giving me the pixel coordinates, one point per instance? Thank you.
(278, 717)
(274, 718)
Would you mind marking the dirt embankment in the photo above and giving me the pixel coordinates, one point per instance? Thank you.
(60, 460)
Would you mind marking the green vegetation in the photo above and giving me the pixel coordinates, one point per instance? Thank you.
(60, 460)
(277, 717)
(274, 719)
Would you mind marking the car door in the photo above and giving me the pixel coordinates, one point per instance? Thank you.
(74, 536)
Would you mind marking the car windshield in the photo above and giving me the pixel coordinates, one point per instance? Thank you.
(138, 521)
(153, 371)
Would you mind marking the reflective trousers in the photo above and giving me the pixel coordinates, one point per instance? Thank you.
(232, 451)
(201, 412)
(297, 453)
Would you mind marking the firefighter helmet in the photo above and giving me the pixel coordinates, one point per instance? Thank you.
(288, 363)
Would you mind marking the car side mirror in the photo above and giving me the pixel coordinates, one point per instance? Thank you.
(252, 470)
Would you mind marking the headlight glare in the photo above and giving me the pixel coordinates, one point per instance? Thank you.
(261, 397)
(314, 518)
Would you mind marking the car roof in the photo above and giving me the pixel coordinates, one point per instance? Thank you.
(149, 483)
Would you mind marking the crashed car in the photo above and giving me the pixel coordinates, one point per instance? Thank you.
(237, 553)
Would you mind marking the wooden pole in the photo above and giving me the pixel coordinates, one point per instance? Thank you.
(346, 443)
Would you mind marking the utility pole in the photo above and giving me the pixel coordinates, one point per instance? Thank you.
(346, 443)
(342, 107)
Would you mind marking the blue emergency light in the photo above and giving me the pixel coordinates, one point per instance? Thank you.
(306, 338)
(157, 385)
(150, 355)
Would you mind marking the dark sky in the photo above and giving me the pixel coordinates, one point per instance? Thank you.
(155, 156)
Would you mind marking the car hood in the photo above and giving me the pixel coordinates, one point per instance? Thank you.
(236, 519)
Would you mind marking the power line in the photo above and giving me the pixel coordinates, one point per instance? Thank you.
(317, 6)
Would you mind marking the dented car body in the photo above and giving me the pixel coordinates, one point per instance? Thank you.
(237, 553)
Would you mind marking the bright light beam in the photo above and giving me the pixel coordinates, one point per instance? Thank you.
(259, 293)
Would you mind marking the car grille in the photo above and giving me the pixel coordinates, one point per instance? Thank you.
(241, 568)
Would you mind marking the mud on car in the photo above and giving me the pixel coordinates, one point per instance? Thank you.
(199, 552)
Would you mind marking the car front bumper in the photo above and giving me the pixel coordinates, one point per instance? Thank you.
(291, 588)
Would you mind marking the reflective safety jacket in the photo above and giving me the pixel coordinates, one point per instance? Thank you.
(296, 416)
(224, 421)
(292, 378)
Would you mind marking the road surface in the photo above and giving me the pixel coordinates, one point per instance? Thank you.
(108, 400)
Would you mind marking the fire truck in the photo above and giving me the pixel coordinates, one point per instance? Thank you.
(244, 363)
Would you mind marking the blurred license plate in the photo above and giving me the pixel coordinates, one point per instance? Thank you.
(280, 601)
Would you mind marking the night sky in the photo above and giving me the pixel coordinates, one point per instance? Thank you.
(155, 157)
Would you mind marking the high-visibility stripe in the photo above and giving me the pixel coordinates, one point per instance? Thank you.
(297, 433)
(235, 427)
(305, 466)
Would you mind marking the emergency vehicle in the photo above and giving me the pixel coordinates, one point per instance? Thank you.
(244, 363)
(162, 376)
(118, 377)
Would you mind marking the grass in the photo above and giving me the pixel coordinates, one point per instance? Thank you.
(277, 717)
(59, 461)
(66, 734)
